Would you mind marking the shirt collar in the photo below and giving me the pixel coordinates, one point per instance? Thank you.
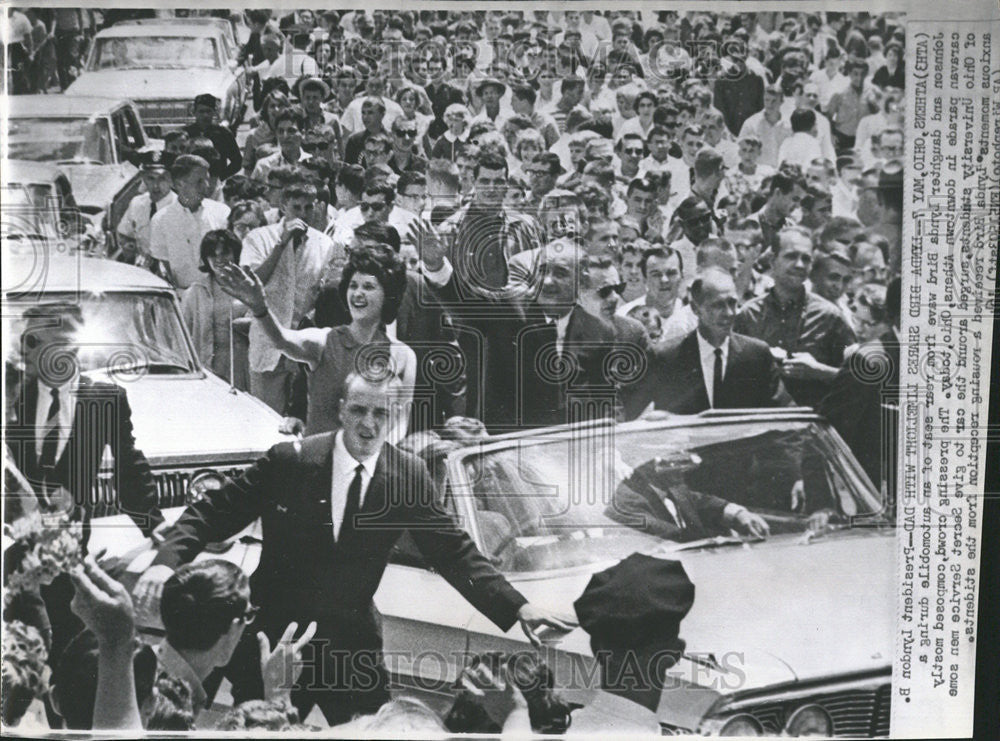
(707, 350)
(177, 667)
(45, 390)
(166, 200)
(340, 451)
(798, 301)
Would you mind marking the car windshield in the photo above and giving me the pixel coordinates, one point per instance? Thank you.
(603, 495)
(61, 140)
(124, 334)
(155, 52)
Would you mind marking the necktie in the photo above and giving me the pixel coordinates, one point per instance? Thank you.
(50, 445)
(152, 208)
(717, 377)
(353, 503)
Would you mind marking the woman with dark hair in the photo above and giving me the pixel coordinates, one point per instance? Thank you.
(371, 287)
(209, 312)
(263, 135)
(891, 74)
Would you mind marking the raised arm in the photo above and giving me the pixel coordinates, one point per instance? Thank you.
(244, 284)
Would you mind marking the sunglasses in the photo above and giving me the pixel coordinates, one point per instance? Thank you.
(407, 133)
(368, 206)
(605, 291)
(631, 150)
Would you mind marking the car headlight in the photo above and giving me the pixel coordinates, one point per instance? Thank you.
(202, 484)
(743, 724)
(809, 720)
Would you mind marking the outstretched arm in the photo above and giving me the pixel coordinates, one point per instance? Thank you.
(245, 285)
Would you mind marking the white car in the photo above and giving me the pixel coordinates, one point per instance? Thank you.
(162, 64)
(89, 139)
(191, 425)
(791, 635)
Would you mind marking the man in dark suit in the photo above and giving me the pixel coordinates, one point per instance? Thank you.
(656, 499)
(441, 93)
(61, 425)
(712, 367)
(863, 401)
(332, 507)
(206, 106)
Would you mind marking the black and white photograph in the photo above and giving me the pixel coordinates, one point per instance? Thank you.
(424, 372)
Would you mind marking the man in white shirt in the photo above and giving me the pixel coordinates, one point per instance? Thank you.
(768, 126)
(277, 64)
(374, 88)
(175, 233)
(664, 274)
(290, 258)
(802, 147)
(288, 130)
(133, 229)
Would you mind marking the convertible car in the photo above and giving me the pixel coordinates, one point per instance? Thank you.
(789, 634)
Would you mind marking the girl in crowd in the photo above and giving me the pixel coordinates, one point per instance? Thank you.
(209, 312)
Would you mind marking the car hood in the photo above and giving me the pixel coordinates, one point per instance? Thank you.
(146, 84)
(181, 421)
(773, 612)
(95, 185)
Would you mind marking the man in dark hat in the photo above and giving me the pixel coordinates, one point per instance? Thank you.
(133, 229)
(206, 107)
(632, 613)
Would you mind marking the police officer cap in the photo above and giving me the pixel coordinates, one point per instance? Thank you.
(152, 161)
(639, 601)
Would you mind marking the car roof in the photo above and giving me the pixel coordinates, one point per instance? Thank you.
(61, 274)
(182, 30)
(31, 106)
(28, 171)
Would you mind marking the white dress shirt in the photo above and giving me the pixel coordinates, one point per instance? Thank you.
(135, 223)
(67, 411)
(562, 324)
(293, 286)
(175, 235)
(706, 352)
(344, 467)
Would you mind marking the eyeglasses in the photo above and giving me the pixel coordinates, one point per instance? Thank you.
(407, 133)
(369, 206)
(605, 291)
(633, 150)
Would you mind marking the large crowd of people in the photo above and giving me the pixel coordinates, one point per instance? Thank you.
(520, 218)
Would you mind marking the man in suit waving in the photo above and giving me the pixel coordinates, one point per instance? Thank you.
(60, 427)
(712, 367)
(332, 507)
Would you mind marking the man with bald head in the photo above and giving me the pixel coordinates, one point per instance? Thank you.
(712, 367)
(562, 350)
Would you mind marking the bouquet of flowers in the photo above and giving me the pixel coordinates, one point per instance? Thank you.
(39, 547)
(24, 671)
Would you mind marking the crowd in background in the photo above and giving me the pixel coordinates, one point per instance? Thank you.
(496, 208)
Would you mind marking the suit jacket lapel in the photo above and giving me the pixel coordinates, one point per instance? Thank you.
(691, 360)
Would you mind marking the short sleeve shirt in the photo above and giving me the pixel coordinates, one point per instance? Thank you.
(175, 235)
